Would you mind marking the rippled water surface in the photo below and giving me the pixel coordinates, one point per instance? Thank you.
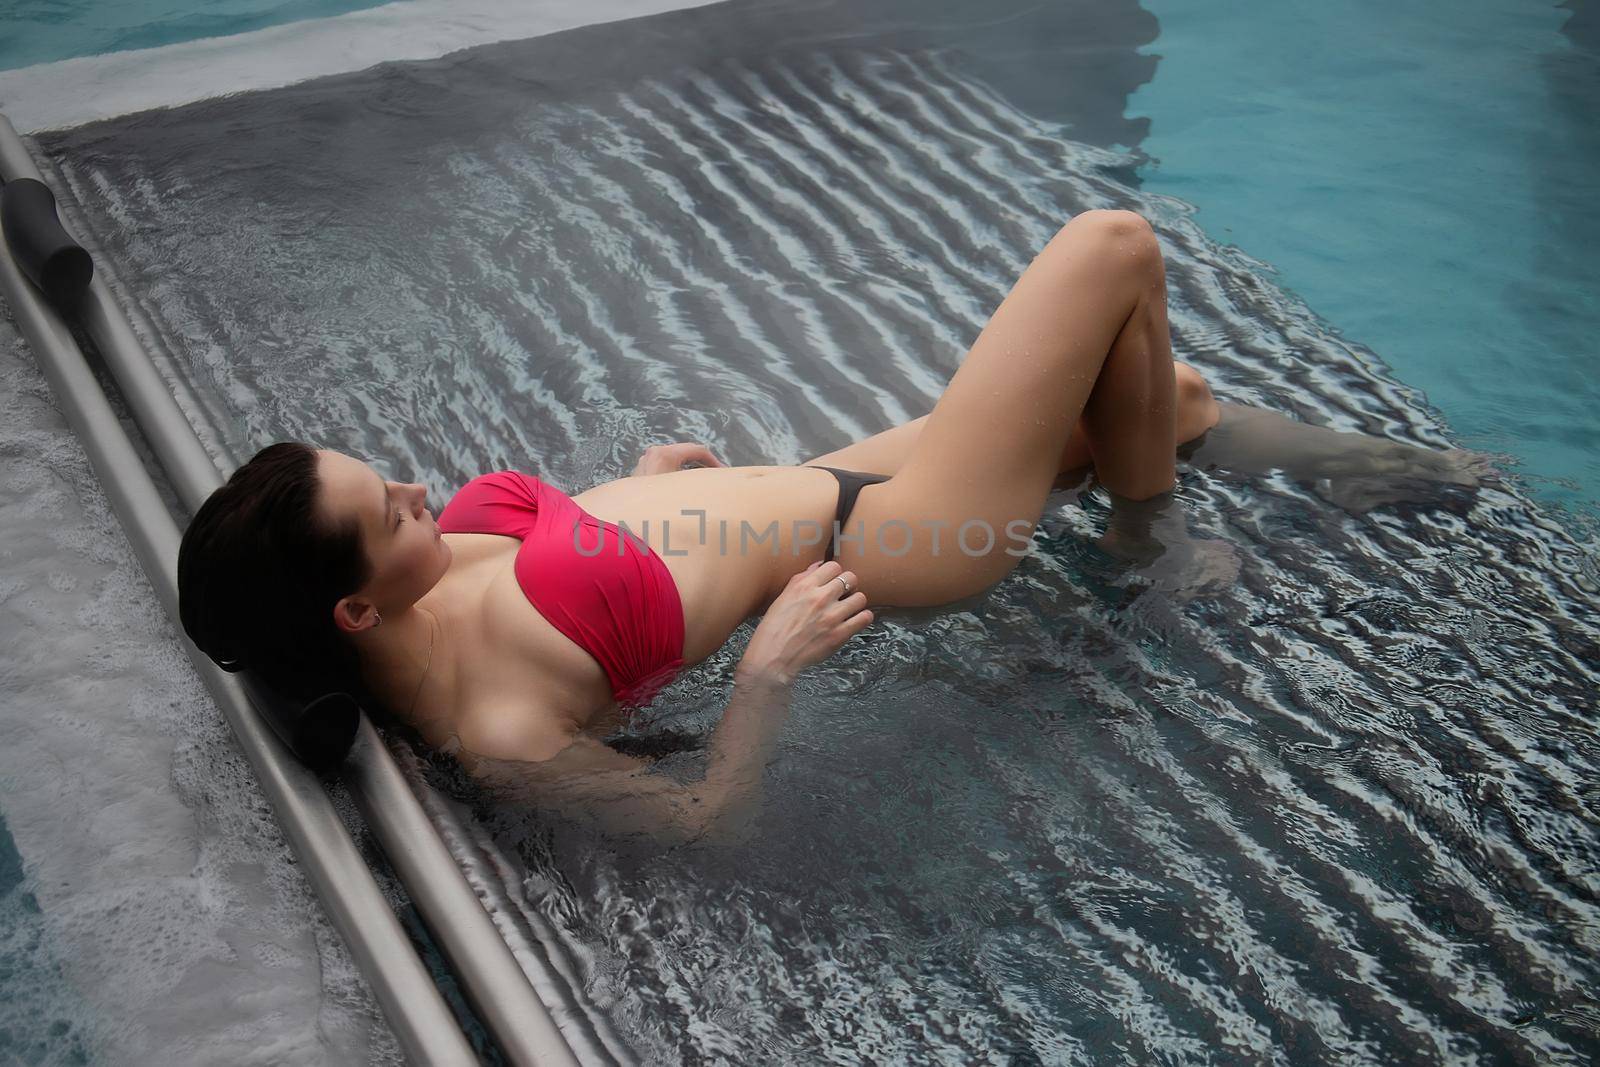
(1343, 810)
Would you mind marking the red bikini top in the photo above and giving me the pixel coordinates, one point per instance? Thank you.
(605, 590)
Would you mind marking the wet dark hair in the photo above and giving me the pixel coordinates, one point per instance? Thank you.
(259, 572)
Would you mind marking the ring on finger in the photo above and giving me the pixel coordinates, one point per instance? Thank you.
(840, 579)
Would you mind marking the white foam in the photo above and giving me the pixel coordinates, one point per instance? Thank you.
(161, 917)
(75, 91)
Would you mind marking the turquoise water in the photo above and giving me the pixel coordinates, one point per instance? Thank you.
(1422, 175)
(29, 973)
(43, 31)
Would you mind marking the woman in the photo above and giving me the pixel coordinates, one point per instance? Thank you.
(511, 630)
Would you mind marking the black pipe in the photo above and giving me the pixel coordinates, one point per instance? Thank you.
(41, 246)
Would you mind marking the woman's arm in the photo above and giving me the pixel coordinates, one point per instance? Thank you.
(659, 459)
(622, 794)
(527, 757)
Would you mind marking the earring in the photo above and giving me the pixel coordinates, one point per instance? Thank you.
(377, 620)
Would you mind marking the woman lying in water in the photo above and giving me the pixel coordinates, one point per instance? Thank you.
(512, 630)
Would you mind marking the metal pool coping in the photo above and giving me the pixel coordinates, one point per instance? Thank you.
(490, 976)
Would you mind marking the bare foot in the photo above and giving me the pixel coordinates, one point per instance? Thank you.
(1154, 537)
(1397, 473)
(1372, 457)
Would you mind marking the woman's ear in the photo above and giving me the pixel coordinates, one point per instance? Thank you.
(353, 614)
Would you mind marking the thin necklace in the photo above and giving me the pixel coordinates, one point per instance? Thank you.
(433, 624)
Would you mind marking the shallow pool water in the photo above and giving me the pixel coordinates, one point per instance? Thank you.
(1341, 811)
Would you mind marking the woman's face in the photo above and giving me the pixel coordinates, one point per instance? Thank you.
(404, 547)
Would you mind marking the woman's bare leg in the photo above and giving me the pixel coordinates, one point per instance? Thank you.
(1151, 534)
(886, 451)
(1362, 471)
(1080, 345)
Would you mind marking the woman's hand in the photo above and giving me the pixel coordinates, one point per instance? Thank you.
(808, 621)
(659, 459)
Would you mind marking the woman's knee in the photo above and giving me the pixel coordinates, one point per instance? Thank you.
(1197, 407)
(1124, 238)
(1192, 388)
(1119, 221)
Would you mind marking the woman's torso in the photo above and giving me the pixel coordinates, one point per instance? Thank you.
(499, 654)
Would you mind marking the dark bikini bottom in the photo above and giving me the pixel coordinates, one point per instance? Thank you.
(850, 484)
